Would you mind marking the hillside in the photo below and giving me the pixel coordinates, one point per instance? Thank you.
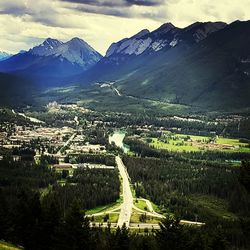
(196, 73)
(16, 91)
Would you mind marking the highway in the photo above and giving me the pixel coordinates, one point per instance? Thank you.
(127, 205)
(66, 143)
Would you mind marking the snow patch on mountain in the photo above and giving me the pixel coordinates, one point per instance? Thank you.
(129, 47)
(166, 36)
(158, 45)
(174, 43)
(144, 44)
(136, 45)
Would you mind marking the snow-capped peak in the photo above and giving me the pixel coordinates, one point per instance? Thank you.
(76, 51)
(52, 42)
(46, 48)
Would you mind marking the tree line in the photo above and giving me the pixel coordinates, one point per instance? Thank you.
(172, 183)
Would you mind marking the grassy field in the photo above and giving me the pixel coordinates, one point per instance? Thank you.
(106, 208)
(135, 218)
(155, 207)
(191, 143)
(141, 204)
(230, 141)
(112, 218)
(7, 246)
(172, 145)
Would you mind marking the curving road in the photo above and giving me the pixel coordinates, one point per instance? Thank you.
(127, 205)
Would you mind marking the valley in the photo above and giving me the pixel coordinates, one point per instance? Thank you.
(146, 146)
(128, 170)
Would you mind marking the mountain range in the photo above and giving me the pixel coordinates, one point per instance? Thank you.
(52, 61)
(205, 65)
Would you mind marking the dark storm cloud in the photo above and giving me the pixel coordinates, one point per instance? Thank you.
(40, 12)
(119, 12)
(50, 12)
(15, 10)
(119, 8)
(116, 3)
(104, 3)
(145, 3)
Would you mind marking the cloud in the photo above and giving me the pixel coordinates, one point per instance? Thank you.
(13, 7)
(117, 3)
(145, 2)
(104, 10)
(54, 12)
(118, 8)
(46, 12)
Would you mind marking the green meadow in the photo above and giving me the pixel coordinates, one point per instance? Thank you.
(192, 143)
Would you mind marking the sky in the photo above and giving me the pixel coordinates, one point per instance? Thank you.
(26, 23)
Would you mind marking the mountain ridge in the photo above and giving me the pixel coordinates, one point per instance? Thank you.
(205, 63)
(193, 66)
(53, 59)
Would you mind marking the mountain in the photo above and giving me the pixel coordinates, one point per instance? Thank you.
(205, 66)
(164, 37)
(75, 51)
(53, 61)
(195, 66)
(131, 54)
(4, 55)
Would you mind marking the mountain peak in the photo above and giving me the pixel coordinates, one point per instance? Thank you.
(75, 51)
(22, 51)
(166, 27)
(46, 48)
(78, 42)
(76, 39)
(208, 25)
(52, 42)
(141, 33)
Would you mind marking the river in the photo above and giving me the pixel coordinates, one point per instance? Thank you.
(117, 137)
(32, 119)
